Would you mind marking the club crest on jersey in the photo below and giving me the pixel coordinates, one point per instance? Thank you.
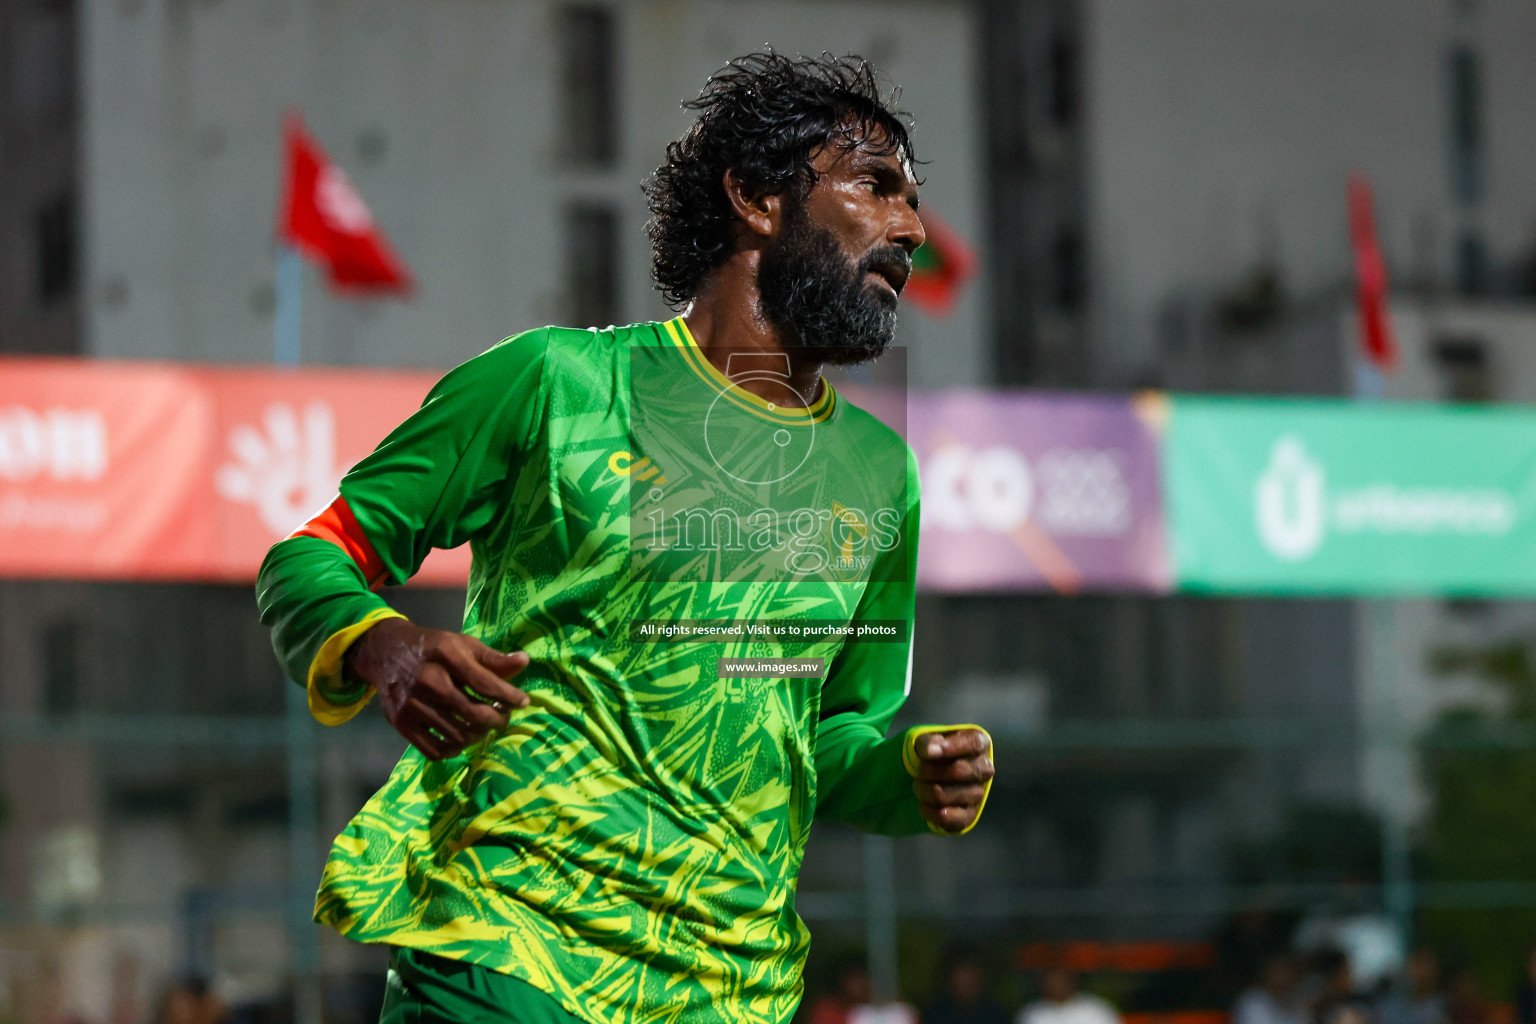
(849, 529)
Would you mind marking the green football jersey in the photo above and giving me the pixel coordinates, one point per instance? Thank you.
(630, 842)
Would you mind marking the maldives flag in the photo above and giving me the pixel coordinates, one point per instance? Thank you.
(323, 216)
(1370, 277)
(939, 267)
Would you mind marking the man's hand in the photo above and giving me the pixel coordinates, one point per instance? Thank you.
(953, 771)
(442, 691)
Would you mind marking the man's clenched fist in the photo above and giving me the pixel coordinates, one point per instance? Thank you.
(442, 691)
(953, 771)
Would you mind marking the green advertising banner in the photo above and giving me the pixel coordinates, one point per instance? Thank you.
(1287, 496)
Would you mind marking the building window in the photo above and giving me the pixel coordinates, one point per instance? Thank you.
(1064, 91)
(43, 55)
(61, 668)
(1466, 103)
(592, 263)
(588, 85)
(56, 250)
(1471, 264)
(1470, 607)
(1465, 374)
(1067, 271)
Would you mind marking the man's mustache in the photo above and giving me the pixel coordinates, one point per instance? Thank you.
(891, 262)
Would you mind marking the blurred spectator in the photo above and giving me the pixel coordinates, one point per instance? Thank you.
(1276, 999)
(1336, 1001)
(1467, 1004)
(963, 996)
(190, 1001)
(1064, 1004)
(1525, 995)
(1245, 943)
(850, 989)
(894, 1012)
(1419, 1000)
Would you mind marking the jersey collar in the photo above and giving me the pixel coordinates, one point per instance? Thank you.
(818, 411)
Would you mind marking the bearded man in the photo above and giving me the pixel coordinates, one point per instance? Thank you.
(697, 561)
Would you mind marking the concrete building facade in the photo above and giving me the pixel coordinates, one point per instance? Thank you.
(1219, 137)
(40, 200)
(462, 126)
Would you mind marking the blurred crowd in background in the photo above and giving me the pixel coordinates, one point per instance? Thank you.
(1263, 984)
(974, 984)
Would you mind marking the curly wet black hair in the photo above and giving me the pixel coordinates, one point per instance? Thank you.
(763, 115)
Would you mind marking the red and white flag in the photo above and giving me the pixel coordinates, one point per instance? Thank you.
(323, 217)
(1370, 277)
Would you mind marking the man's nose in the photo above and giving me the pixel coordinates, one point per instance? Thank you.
(907, 230)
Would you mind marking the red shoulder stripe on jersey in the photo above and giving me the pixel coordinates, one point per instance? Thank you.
(337, 524)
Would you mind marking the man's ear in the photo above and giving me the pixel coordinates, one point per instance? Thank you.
(757, 211)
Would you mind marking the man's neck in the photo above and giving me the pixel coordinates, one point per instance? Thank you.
(727, 318)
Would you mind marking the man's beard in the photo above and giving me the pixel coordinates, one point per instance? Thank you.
(823, 301)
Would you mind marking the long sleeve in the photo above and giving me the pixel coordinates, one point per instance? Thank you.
(861, 777)
(434, 482)
(309, 591)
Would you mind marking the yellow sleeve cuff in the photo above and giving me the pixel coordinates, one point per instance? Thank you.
(909, 760)
(325, 671)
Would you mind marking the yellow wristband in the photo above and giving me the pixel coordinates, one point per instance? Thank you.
(325, 670)
(910, 761)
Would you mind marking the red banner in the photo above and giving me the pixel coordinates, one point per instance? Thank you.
(156, 471)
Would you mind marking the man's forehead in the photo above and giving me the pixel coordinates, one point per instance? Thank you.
(858, 149)
(895, 157)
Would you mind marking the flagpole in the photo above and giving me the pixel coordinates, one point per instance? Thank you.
(289, 293)
(323, 215)
(1385, 725)
(303, 817)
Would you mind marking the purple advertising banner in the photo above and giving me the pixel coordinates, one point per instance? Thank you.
(1036, 491)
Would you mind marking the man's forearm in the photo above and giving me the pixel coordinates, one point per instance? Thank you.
(862, 781)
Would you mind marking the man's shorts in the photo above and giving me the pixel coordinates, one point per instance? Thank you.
(425, 989)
